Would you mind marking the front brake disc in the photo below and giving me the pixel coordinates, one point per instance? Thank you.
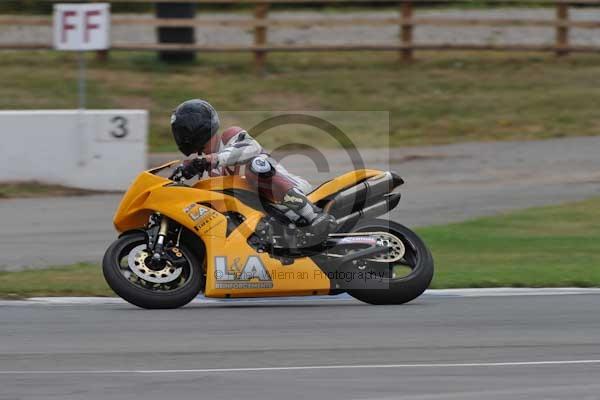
(137, 263)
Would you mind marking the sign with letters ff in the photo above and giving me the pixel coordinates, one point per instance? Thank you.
(80, 27)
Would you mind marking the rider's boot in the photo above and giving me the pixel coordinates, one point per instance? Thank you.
(314, 224)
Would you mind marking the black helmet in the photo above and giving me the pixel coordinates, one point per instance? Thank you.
(193, 123)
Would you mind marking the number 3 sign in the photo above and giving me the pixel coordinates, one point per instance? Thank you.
(118, 126)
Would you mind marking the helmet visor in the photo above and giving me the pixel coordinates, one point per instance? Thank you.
(186, 148)
(184, 141)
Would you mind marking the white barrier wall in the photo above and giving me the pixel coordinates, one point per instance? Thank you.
(91, 149)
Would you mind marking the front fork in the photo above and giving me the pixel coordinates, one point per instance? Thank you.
(162, 234)
(160, 240)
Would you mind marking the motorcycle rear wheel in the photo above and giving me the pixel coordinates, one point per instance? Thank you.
(184, 287)
(391, 289)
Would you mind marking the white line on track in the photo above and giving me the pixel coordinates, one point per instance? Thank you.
(305, 368)
(489, 292)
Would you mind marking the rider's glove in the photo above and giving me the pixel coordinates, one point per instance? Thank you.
(191, 168)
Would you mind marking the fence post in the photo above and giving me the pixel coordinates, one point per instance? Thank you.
(102, 55)
(260, 36)
(562, 30)
(406, 30)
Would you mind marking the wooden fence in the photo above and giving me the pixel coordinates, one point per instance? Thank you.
(407, 19)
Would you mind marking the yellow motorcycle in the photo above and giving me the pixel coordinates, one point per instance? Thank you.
(217, 236)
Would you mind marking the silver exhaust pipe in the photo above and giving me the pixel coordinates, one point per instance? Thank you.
(362, 194)
(371, 211)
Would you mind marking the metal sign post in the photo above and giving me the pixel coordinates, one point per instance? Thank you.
(82, 80)
(81, 126)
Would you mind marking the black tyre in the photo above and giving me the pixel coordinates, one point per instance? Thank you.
(396, 288)
(126, 273)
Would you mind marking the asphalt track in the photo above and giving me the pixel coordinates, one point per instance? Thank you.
(441, 346)
(443, 184)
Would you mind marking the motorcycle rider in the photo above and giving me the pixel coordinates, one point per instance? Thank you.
(195, 125)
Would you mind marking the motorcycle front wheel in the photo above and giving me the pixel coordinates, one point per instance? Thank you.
(125, 270)
(395, 282)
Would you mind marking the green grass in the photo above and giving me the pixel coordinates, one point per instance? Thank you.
(37, 189)
(440, 98)
(541, 247)
(74, 280)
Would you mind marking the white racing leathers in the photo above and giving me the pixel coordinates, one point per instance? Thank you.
(273, 182)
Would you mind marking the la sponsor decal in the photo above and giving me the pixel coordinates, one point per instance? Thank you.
(251, 275)
(202, 216)
(195, 211)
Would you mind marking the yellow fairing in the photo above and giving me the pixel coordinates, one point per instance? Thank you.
(231, 263)
(342, 182)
